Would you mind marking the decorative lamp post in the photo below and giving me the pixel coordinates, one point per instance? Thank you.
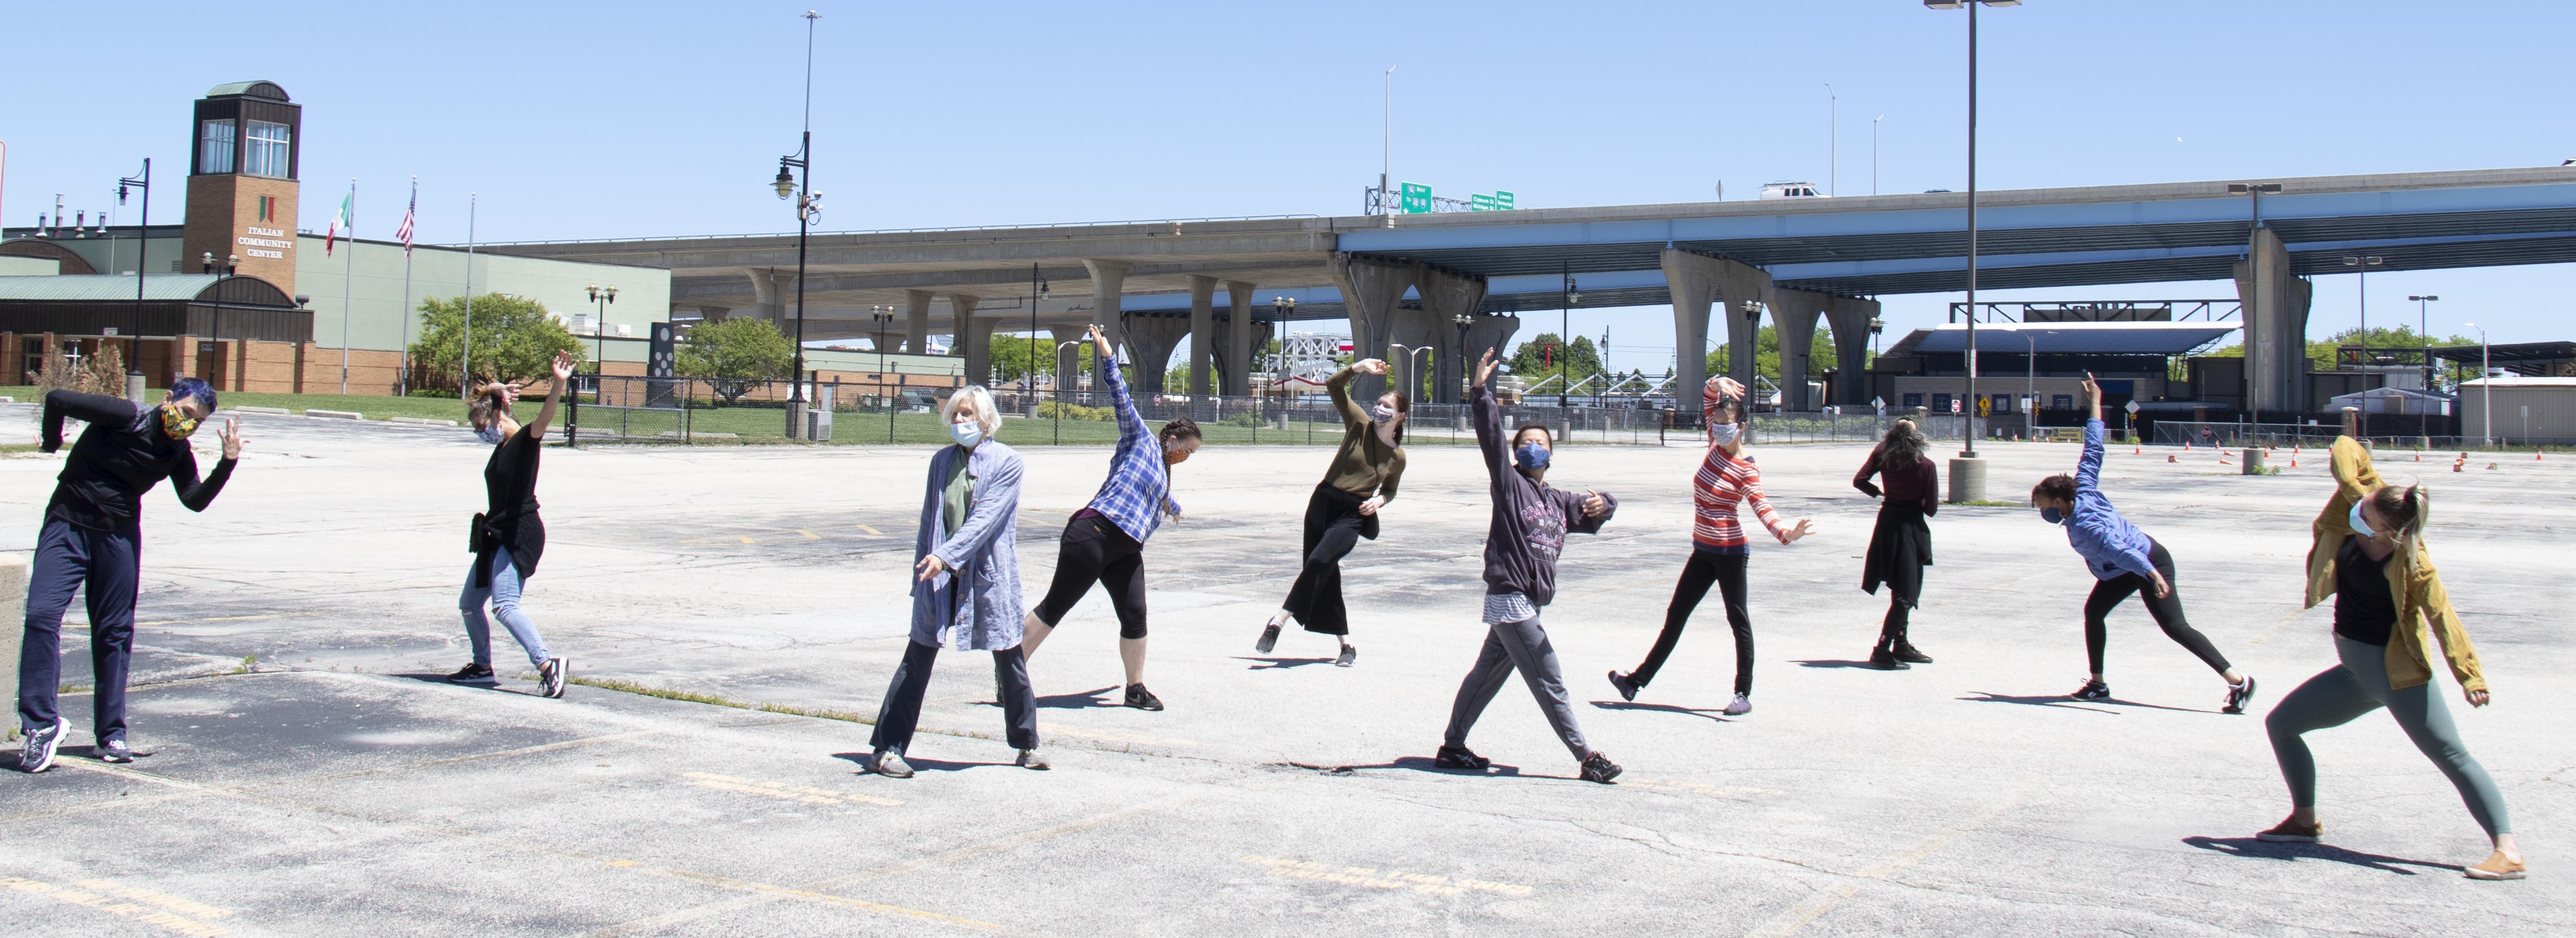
(1752, 310)
(799, 184)
(134, 363)
(2362, 266)
(2424, 335)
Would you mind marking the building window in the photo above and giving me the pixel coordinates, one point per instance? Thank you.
(2003, 403)
(268, 148)
(215, 147)
(1913, 401)
(2062, 401)
(1940, 403)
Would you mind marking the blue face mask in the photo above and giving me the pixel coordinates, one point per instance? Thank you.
(1531, 456)
(491, 433)
(2052, 516)
(967, 433)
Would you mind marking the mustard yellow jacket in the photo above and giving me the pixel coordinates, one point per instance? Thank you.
(2412, 582)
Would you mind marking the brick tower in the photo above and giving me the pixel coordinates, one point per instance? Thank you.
(241, 181)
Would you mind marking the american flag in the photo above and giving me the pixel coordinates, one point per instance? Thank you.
(404, 233)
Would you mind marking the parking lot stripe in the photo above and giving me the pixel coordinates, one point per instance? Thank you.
(1797, 916)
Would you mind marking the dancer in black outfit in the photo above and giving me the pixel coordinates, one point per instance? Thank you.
(92, 542)
(509, 536)
(1900, 546)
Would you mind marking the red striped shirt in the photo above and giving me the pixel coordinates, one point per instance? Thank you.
(1723, 482)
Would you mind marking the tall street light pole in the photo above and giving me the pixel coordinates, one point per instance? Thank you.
(1873, 153)
(800, 185)
(1386, 141)
(2424, 335)
(2362, 266)
(134, 363)
(1833, 141)
(1967, 476)
(2486, 387)
(1564, 338)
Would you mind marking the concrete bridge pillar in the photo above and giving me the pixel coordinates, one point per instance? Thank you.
(916, 321)
(1794, 313)
(1371, 291)
(713, 313)
(1238, 336)
(1150, 341)
(771, 292)
(1849, 318)
(969, 342)
(1446, 296)
(1697, 281)
(1489, 332)
(2276, 329)
(1202, 332)
(1108, 285)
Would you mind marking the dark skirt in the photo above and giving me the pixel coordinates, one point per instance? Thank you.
(1333, 526)
(1900, 546)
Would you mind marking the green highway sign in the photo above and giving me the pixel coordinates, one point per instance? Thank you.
(1502, 200)
(1480, 202)
(1417, 198)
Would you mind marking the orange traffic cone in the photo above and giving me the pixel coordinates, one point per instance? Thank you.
(2535, 454)
(2491, 467)
(2169, 457)
(2294, 462)
(2186, 446)
(2457, 463)
(2419, 456)
(2137, 451)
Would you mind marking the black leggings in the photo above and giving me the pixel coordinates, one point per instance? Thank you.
(1333, 526)
(1095, 550)
(1704, 568)
(2108, 594)
(1891, 630)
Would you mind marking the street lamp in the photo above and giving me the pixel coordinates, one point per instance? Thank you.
(1972, 474)
(2362, 265)
(232, 262)
(1873, 153)
(799, 184)
(134, 363)
(2424, 334)
(1463, 321)
(1565, 335)
(1038, 290)
(1280, 309)
(2486, 387)
(1753, 363)
(883, 316)
(601, 298)
(1833, 141)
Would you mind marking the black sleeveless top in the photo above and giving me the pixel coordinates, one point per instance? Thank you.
(2364, 611)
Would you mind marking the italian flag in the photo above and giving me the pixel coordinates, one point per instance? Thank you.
(348, 207)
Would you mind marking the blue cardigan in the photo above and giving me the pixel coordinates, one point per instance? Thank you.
(974, 605)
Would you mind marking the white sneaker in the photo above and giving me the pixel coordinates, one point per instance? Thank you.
(1740, 706)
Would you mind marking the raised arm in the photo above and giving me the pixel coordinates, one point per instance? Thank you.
(1752, 489)
(89, 408)
(198, 493)
(1131, 425)
(1487, 414)
(1714, 395)
(997, 500)
(2088, 470)
(1339, 386)
(1579, 520)
(554, 396)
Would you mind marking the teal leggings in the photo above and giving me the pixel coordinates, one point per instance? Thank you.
(2360, 685)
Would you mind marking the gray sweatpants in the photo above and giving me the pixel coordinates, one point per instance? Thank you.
(2360, 685)
(1519, 645)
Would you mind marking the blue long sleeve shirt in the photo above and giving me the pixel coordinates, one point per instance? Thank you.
(1138, 491)
(2110, 545)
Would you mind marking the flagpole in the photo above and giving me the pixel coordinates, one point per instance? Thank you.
(348, 286)
(402, 382)
(465, 357)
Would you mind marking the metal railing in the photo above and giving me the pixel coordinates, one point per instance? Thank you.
(675, 410)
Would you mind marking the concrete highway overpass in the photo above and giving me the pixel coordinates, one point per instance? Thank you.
(1409, 278)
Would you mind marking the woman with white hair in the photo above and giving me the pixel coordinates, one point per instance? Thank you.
(966, 587)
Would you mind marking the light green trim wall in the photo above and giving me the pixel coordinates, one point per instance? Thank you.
(30, 267)
(375, 311)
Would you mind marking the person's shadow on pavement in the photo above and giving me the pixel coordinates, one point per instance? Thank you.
(2254, 849)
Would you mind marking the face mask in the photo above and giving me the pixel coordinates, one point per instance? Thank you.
(967, 433)
(1532, 456)
(1725, 433)
(1382, 413)
(491, 433)
(176, 424)
(2052, 516)
(2359, 526)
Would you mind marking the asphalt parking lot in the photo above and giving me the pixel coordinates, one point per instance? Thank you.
(312, 775)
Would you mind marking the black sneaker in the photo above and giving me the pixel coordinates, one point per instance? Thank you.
(1458, 757)
(36, 752)
(1142, 699)
(1599, 768)
(115, 750)
(1886, 660)
(552, 674)
(1906, 652)
(1269, 639)
(1627, 688)
(2238, 695)
(1349, 654)
(2093, 689)
(470, 673)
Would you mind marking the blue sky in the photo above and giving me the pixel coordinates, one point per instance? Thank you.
(580, 121)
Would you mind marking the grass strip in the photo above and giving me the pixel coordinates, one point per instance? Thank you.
(699, 697)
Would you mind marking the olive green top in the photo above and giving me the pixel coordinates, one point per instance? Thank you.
(1364, 465)
(956, 497)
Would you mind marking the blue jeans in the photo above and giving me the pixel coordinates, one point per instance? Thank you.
(504, 597)
(103, 566)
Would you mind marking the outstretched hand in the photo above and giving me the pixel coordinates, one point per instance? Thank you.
(231, 436)
(1370, 366)
(1594, 505)
(1485, 368)
(563, 366)
(1100, 341)
(2092, 395)
(2477, 698)
(1805, 527)
(1727, 388)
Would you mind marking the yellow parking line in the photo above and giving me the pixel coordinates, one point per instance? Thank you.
(872, 532)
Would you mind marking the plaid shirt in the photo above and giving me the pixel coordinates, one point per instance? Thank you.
(1138, 481)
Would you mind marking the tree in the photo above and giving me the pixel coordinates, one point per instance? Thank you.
(732, 354)
(2401, 343)
(1548, 354)
(515, 339)
(1010, 355)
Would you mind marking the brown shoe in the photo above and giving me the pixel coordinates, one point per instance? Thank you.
(2495, 867)
(2292, 832)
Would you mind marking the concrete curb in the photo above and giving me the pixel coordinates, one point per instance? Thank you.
(280, 411)
(422, 421)
(336, 414)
